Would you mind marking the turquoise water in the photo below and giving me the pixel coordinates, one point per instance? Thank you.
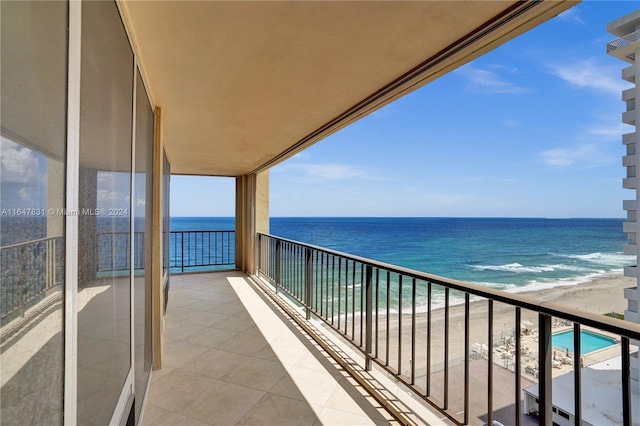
(589, 342)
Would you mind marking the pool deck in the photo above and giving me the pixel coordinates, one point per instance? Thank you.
(564, 364)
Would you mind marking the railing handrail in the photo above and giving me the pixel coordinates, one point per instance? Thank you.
(203, 230)
(623, 41)
(195, 248)
(37, 240)
(29, 270)
(173, 232)
(609, 324)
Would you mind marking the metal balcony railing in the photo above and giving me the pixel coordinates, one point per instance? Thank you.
(188, 250)
(199, 250)
(623, 41)
(27, 271)
(397, 318)
(618, 47)
(114, 251)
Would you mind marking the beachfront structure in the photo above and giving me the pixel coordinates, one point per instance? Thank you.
(102, 101)
(601, 395)
(627, 48)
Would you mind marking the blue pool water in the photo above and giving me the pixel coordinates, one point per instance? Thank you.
(589, 342)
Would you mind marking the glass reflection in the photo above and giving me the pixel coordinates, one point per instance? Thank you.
(32, 181)
(143, 210)
(104, 278)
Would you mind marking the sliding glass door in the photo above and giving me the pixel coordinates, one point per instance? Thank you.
(104, 225)
(32, 201)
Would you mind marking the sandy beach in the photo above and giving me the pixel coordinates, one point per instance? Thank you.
(601, 295)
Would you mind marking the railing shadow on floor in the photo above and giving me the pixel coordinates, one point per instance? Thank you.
(241, 337)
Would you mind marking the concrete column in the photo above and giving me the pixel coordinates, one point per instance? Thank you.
(252, 216)
(262, 202)
(157, 294)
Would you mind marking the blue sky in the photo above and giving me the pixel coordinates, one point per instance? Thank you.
(531, 129)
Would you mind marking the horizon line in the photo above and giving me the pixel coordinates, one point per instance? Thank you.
(415, 217)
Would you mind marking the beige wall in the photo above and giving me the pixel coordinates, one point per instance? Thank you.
(252, 215)
(156, 267)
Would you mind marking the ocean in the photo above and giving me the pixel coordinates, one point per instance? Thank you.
(513, 254)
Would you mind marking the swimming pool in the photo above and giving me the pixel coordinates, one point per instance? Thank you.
(589, 341)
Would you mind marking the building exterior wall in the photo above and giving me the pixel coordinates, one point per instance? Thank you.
(627, 48)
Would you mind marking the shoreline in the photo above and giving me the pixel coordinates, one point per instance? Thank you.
(599, 296)
(600, 293)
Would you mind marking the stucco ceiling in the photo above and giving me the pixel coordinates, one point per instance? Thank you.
(244, 85)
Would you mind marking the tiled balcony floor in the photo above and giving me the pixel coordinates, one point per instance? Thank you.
(231, 357)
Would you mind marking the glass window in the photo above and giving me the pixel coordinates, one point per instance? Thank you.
(104, 222)
(142, 249)
(32, 182)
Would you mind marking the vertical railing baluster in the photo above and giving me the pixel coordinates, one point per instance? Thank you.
(287, 266)
(518, 366)
(323, 273)
(259, 245)
(399, 324)
(353, 303)
(368, 319)
(315, 281)
(302, 271)
(490, 363)
(377, 287)
(22, 279)
(339, 291)
(446, 348)
(577, 374)
(113, 251)
(190, 249)
(428, 369)
(309, 271)
(346, 295)
(413, 331)
(388, 318)
(361, 299)
(297, 282)
(626, 381)
(333, 287)
(467, 332)
(544, 359)
(278, 258)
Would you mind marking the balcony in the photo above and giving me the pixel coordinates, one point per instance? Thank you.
(322, 337)
(624, 47)
(231, 356)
